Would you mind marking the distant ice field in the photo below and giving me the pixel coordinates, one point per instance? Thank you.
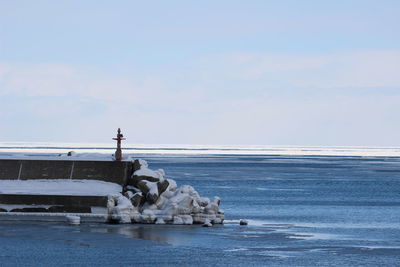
(21, 147)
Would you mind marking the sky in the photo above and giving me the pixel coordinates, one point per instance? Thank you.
(251, 72)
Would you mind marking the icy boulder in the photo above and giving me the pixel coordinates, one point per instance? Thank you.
(120, 208)
(151, 198)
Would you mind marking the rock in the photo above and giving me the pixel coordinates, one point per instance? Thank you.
(132, 188)
(71, 153)
(151, 198)
(128, 194)
(135, 217)
(203, 218)
(217, 201)
(137, 178)
(166, 218)
(211, 208)
(152, 195)
(160, 202)
(170, 210)
(160, 220)
(136, 199)
(187, 219)
(203, 201)
(73, 220)
(177, 220)
(132, 181)
(136, 165)
(207, 223)
(162, 186)
(182, 201)
(168, 194)
(3, 210)
(143, 186)
(220, 217)
(122, 211)
(148, 206)
(172, 185)
(243, 222)
(147, 216)
(196, 207)
(110, 204)
(110, 201)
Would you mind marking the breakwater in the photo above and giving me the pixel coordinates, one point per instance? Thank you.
(27, 169)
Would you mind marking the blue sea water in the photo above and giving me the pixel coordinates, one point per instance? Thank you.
(302, 211)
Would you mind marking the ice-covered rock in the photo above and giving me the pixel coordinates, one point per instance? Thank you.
(152, 194)
(187, 219)
(160, 220)
(207, 223)
(243, 222)
(151, 198)
(73, 220)
(122, 209)
(128, 194)
(178, 220)
(136, 199)
(142, 172)
(148, 216)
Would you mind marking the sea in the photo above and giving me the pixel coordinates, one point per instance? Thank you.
(305, 206)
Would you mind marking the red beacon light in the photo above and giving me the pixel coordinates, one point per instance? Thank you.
(119, 138)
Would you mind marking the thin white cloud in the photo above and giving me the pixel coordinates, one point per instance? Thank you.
(229, 98)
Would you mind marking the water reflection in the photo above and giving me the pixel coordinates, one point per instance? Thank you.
(170, 234)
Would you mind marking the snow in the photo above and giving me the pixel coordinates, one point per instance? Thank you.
(59, 187)
(158, 174)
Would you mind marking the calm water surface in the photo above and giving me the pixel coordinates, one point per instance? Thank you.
(302, 211)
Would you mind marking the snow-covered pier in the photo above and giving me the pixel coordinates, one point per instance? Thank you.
(98, 188)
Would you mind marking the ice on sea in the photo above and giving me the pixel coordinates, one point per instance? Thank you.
(19, 149)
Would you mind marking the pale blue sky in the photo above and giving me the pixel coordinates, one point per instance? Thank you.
(201, 72)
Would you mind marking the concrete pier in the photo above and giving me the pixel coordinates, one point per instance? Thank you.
(52, 207)
(26, 169)
(54, 200)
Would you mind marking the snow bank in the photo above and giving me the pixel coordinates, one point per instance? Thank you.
(151, 198)
(59, 187)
